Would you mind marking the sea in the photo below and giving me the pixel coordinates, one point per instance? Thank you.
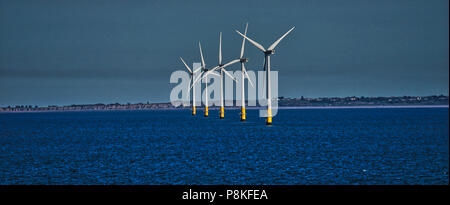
(365, 146)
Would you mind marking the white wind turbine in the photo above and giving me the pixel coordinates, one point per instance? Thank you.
(267, 52)
(191, 80)
(221, 67)
(203, 75)
(244, 74)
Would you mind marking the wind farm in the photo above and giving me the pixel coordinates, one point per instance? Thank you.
(244, 75)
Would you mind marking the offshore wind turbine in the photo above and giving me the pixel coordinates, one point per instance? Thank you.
(244, 74)
(203, 75)
(221, 67)
(267, 52)
(191, 80)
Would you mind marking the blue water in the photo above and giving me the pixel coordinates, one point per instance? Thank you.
(319, 146)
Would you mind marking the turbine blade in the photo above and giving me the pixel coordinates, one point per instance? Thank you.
(248, 77)
(229, 75)
(213, 69)
(213, 73)
(187, 67)
(190, 87)
(252, 41)
(271, 47)
(264, 78)
(196, 80)
(231, 63)
(196, 70)
(264, 67)
(220, 48)
(201, 55)
(243, 42)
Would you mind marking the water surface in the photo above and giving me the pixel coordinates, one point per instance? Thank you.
(317, 146)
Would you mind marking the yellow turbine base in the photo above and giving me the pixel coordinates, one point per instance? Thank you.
(269, 117)
(206, 111)
(269, 121)
(243, 114)
(193, 110)
(222, 112)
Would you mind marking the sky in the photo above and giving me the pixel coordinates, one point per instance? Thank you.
(80, 52)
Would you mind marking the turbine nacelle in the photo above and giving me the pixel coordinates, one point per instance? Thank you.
(269, 52)
(243, 60)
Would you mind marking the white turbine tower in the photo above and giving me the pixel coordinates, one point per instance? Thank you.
(191, 80)
(244, 74)
(267, 52)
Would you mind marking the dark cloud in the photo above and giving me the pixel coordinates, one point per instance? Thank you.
(338, 47)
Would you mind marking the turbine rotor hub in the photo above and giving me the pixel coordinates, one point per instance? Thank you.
(243, 60)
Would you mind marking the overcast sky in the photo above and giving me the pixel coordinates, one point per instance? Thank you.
(74, 52)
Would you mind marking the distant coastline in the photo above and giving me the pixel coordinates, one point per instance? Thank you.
(434, 101)
(367, 107)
